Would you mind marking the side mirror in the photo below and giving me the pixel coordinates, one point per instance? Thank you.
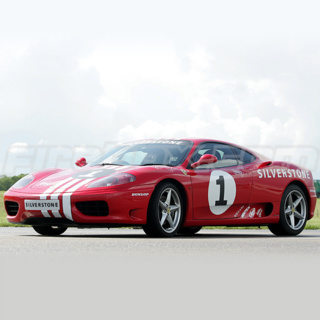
(205, 159)
(264, 164)
(81, 162)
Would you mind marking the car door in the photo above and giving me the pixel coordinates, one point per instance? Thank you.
(220, 189)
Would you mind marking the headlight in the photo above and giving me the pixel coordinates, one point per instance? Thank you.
(23, 182)
(113, 180)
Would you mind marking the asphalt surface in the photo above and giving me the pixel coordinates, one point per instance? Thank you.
(121, 273)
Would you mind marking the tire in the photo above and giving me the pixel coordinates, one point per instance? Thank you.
(49, 230)
(189, 231)
(293, 213)
(165, 212)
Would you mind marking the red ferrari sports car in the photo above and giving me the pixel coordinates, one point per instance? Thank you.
(168, 187)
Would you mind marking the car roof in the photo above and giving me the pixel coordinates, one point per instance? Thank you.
(201, 140)
(197, 141)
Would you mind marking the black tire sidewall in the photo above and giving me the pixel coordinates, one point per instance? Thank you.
(287, 230)
(153, 227)
(49, 230)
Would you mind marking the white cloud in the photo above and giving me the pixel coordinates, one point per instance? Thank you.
(123, 67)
(147, 91)
(194, 70)
(245, 111)
(18, 147)
(199, 58)
(9, 51)
(166, 129)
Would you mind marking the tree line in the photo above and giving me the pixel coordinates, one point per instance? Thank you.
(6, 182)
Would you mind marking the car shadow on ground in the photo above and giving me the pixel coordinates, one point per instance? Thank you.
(198, 236)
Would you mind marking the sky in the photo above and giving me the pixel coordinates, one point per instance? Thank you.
(77, 77)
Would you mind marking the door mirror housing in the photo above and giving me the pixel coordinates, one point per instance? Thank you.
(205, 159)
(81, 162)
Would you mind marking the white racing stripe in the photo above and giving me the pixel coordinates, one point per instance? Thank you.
(56, 185)
(80, 184)
(120, 168)
(69, 185)
(55, 195)
(56, 213)
(66, 198)
(66, 204)
(48, 191)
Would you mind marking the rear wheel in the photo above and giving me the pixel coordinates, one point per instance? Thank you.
(50, 230)
(293, 213)
(165, 212)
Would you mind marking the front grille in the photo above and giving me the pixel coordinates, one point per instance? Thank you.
(93, 208)
(12, 207)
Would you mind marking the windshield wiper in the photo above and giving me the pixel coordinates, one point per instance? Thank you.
(110, 164)
(156, 164)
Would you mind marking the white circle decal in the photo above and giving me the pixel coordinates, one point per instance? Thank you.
(222, 191)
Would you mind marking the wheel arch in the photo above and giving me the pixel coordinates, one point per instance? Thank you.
(181, 189)
(153, 226)
(305, 191)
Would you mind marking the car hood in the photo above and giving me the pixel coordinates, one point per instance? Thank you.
(79, 178)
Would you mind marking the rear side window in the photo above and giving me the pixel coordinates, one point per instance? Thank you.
(243, 156)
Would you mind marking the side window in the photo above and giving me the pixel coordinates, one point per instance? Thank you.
(243, 156)
(223, 152)
(226, 157)
(204, 148)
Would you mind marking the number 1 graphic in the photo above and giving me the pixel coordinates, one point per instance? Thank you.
(221, 201)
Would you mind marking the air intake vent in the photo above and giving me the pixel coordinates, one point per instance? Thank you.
(12, 207)
(93, 208)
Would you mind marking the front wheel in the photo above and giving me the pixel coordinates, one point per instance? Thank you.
(293, 213)
(165, 212)
(50, 230)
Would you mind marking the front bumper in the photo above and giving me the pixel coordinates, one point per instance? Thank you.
(112, 207)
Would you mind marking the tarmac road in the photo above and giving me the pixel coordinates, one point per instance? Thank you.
(124, 243)
(120, 274)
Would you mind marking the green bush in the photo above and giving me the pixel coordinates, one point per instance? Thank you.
(317, 186)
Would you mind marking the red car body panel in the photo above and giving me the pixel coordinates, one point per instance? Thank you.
(254, 191)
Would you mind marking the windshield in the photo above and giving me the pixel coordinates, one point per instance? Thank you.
(150, 152)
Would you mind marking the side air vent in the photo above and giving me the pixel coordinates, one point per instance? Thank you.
(269, 209)
(93, 208)
(12, 207)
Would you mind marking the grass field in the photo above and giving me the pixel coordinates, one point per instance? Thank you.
(3, 220)
(311, 224)
(314, 223)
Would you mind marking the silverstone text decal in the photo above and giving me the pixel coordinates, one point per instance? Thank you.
(283, 173)
(41, 204)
